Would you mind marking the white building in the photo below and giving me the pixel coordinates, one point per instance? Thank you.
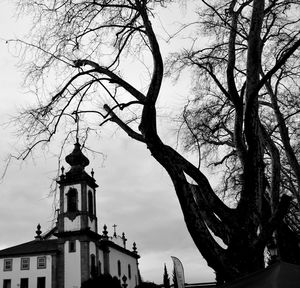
(73, 251)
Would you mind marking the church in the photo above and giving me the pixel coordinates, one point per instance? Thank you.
(73, 251)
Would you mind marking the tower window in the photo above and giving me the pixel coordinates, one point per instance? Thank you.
(72, 200)
(41, 262)
(25, 263)
(72, 246)
(8, 264)
(90, 202)
(119, 268)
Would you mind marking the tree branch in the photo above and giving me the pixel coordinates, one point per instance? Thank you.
(130, 132)
(114, 78)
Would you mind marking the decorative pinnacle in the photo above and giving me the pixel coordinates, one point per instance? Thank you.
(38, 232)
(134, 248)
(105, 232)
(92, 172)
(124, 239)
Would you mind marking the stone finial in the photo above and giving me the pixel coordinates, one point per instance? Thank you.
(38, 232)
(92, 172)
(105, 232)
(124, 239)
(134, 248)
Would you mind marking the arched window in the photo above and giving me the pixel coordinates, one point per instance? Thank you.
(72, 200)
(129, 271)
(90, 202)
(119, 268)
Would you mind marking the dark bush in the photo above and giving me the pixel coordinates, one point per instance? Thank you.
(102, 281)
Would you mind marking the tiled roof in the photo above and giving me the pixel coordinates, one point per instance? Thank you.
(32, 247)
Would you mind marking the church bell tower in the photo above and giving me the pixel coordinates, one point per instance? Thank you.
(77, 221)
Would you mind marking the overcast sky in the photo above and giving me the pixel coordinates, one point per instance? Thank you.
(134, 190)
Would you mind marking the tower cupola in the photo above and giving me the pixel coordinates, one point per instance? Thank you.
(76, 174)
(77, 160)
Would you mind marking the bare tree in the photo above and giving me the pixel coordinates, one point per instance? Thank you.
(217, 117)
(84, 45)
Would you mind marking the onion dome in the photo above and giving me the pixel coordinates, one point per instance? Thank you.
(76, 159)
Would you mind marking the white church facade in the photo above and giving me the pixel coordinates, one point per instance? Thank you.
(73, 251)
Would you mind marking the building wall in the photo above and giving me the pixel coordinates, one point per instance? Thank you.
(92, 224)
(72, 225)
(32, 274)
(125, 260)
(72, 266)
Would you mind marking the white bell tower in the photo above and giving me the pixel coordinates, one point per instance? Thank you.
(77, 195)
(77, 222)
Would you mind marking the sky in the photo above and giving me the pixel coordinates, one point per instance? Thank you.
(135, 192)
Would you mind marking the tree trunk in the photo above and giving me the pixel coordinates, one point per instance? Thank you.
(242, 256)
